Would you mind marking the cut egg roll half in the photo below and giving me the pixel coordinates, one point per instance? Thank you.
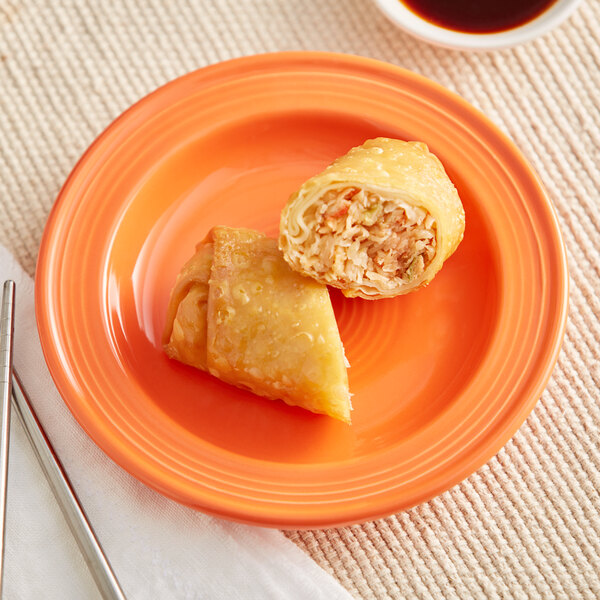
(378, 222)
(239, 312)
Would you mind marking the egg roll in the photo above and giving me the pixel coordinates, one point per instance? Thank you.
(253, 322)
(378, 222)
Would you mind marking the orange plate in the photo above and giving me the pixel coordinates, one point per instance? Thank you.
(442, 378)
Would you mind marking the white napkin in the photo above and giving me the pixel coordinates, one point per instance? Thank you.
(158, 549)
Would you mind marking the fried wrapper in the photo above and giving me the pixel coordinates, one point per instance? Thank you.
(378, 222)
(184, 336)
(253, 322)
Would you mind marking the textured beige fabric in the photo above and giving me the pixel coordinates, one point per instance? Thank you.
(527, 525)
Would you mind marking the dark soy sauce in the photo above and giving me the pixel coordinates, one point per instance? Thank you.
(478, 16)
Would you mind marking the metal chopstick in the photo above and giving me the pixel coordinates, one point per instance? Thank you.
(7, 319)
(65, 495)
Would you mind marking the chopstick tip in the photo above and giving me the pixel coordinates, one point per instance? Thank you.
(9, 287)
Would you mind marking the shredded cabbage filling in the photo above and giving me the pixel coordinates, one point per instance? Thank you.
(359, 236)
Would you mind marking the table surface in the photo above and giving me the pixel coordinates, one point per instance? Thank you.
(528, 523)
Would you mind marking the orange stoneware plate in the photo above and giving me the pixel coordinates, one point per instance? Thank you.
(442, 378)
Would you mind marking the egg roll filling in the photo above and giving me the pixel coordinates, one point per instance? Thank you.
(360, 236)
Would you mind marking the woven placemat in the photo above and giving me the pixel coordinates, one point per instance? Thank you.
(527, 525)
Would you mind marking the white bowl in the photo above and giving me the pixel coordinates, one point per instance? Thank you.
(412, 23)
